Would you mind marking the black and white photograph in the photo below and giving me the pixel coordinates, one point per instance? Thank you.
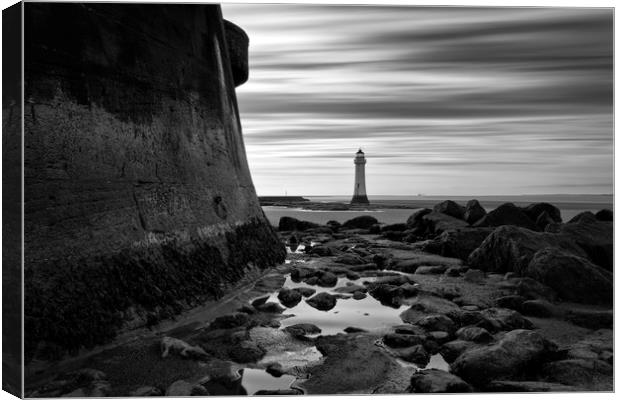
(298, 198)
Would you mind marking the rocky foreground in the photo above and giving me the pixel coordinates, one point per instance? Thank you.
(453, 300)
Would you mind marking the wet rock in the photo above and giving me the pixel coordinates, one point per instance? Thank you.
(538, 308)
(465, 317)
(311, 281)
(229, 321)
(450, 208)
(585, 216)
(457, 243)
(352, 329)
(402, 340)
(437, 322)
(513, 301)
(605, 215)
(527, 386)
(170, 345)
(474, 276)
(592, 319)
(591, 374)
(507, 214)
(351, 289)
(333, 225)
(350, 259)
(361, 222)
(437, 381)
(453, 271)
(270, 308)
(279, 392)
(306, 292)
(474, 334)
(359, 295)
(573, 278)
(300, 330)
(451, 350)
(394, 227)
(298, 274)
(409, 330)
(321, 251)
(431, 270)
(246, 352)
(543, 221)
(474, 212)
(322, 301)
(534, 211)
(423, 305)
(502, 319)
(326, 279)
(439, 336)
(532, 289)
(415, 354)
(389, 295)
(247, 309)
(510, 357)
(289, 297)
(293, 224)
(183, 388)
(146, 391)
(415, 219)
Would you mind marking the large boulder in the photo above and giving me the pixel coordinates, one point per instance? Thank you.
(514, 355)
(585, 216)
(394, 227)
(507, 214)
(322, 301)
(502, 319)
(534, 211)
(436, 222)
(590, 374)
(437, 381)
(474, 212)
(361, 222)
(573, 278)
(510, 249)
(415, 219)
(450, 208)
(294, 224)
(459, 243)
(605, 215)
(289, 297)
(423, 305)
(595, 238)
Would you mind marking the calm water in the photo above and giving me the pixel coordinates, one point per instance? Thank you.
(569, 205)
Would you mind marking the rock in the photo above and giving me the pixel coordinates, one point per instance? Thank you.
(502, 319)
(451, 350)
(180, 388)
(170, 345)
(306, 292)
(532, 289)
(474, 276)
(395, 236)
(457, 243)
(527, 386)
(474, 334)
(298, 274)
(585, 216)
(394, 227)
(349, 259)
(437, 223)
(322, 301)
(424, 305)
(289, 297)
(359, 295)
(591, 319)
(416, 218)
(450, 208)
(293, 224)
(278, 392)
(605, 215)
(573, 278)
(591, 374)
(510, 357)
(352, 329)
(439, 336)
(535, 210)
(510, 248)
(229, 321)
(543, 221)
(301, 330)
(415, 354)
(321, 251)
(402, 340)
(453, 271)
(474, 212)
(507, 214)
(361, 222)
(538, 308)
(513, 301)
(437, 322)
(312, 280)
(246, 352)
(437, 381)
(326, 279)
(407, 329)
(145, 391)
(270, 308)
(351, 289)
(431, 270)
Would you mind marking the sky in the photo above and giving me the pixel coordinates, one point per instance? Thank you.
(447, 101)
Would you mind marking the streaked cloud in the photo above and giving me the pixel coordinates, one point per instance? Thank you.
(442, 100)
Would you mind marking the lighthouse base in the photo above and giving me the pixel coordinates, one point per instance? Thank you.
(360, 199)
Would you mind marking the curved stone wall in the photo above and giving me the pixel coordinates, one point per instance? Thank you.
(139, 201)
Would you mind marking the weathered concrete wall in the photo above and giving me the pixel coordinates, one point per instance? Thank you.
(138, 193)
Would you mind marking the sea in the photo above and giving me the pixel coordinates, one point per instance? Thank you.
(569, 205)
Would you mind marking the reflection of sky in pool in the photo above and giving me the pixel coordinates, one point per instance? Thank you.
(254, 380)
(367, 313)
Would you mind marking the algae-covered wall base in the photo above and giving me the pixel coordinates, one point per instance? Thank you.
(138, 196)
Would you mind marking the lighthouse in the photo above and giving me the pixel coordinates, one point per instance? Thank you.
(359, 190)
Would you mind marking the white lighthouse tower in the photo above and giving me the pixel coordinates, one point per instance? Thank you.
(359, 190)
